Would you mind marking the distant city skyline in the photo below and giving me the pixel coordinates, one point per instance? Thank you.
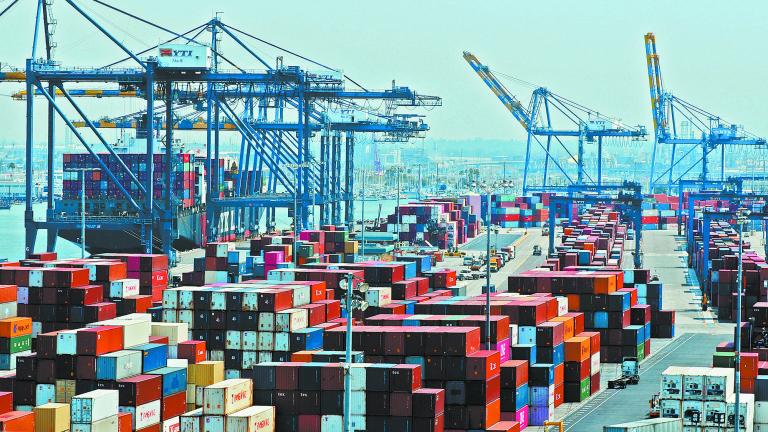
(590, 51)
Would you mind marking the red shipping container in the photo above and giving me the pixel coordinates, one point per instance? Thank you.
(315, 313)
(124, 422)
(400, 404)
(99, 340)
(8, 293)
(111, 271)
(154, 428)
(174, 405)
(275, 300)
(514, 373)
(505, 426)
(559, 395)
(484, 417)
(332, 308)
(594, 341)
(140, 389)
(6, 402)
(748, 365)
(193, 351)
(482, 365)
(86, 295)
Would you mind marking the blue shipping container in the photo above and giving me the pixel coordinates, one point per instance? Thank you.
(174, 379)
(154, 356)
(601, 319)
(522, 396)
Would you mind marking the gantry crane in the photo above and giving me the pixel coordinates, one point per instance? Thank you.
(680, 123)
(281, 106)
(538, 119)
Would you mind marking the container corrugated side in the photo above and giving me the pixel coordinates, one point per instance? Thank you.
(650, 425)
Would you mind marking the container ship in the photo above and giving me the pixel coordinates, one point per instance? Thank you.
(103, 198)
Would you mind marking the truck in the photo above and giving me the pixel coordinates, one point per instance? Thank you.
(630, 374)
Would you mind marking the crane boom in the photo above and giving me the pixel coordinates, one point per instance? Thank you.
(510, 101)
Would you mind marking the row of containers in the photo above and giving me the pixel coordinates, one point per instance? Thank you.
(718, 273)
(704, 397)
(420, 345)
(510, 211)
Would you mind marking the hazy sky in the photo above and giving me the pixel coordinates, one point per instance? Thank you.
(712, 52)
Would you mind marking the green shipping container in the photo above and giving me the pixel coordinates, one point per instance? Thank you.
(585, 389)
(16, 345)
(724, 359)
(640, 352)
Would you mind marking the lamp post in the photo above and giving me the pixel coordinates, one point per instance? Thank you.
(81, 175)
(741, 218)
(295, 168)
(352, 302)
(488, 188)
(362, 217)
(397, 211)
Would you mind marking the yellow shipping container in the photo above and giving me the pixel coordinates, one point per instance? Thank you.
(206, 373)
(350, 247)
(52, 417)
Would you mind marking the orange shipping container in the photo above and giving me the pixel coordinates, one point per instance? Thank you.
(568, 329)
(577, 349)
(17, 421)
(15, 327)
(8, 293)
(574, 302)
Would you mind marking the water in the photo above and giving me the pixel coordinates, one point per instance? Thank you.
(12, 230)
(371, 211)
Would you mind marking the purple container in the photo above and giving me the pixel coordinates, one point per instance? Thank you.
(540, 396)
(541, 414)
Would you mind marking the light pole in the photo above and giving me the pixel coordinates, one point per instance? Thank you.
(352, 302)
(295, 168)
(397, 211)
(489, 192)
(741, 218)
(81, 176)
(362, 218)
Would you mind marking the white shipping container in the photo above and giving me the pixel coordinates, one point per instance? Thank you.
(144, 415)
(671, 408)
(594, 363)
(191, 421)
(761, 412)
(562, 305)
(8, 310)
(123, 288)
(214, 423)
(648, 425)
(228, 396)
(513, 334)
(694, 382)
(252, 419)
(746, 410)
(379, 296)
(108, 424)
(358, 376)
(172, 425)
(291, 320)
(760, 427)
(672, 383)
(94, 405)
(714, 413)
(176, 332)
(693, 412)
(719, 384)
(180, 56)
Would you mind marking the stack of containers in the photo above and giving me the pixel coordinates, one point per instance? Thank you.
(59, 298)
(104, 196)
(309, 396)
(703, 398)
(606, 308)
(444, 357)
(129, 356)
(515, 394)
(15, 340)
(245, 324)
(659, 211)
(213, 267)
(444, 222)
(509, 211)
(228, 406)
(150, 269)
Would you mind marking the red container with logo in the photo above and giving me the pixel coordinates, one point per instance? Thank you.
(193, 351)
(275, 300)
(482, 365)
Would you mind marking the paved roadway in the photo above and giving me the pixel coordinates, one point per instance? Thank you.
(501, 240)
(697, 334)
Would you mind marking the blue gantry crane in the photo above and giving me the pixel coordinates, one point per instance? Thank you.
(542, 120)
(686, 128)
(277, 111)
